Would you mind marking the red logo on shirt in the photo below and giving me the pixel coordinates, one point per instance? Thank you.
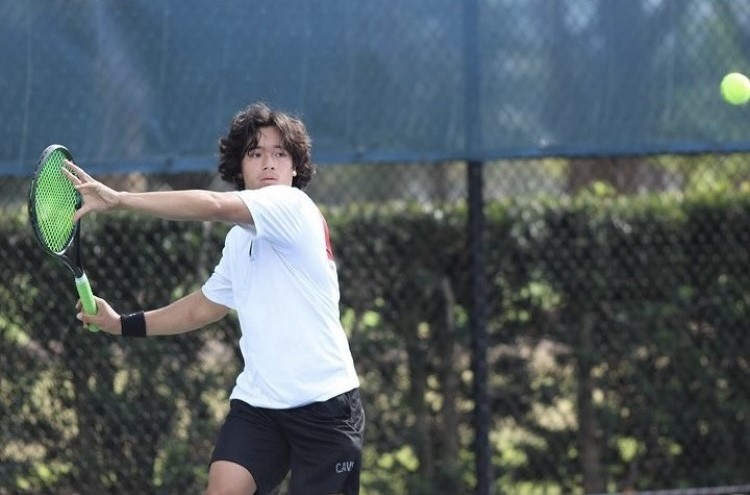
(329, 247)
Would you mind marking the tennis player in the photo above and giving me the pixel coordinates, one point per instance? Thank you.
(296, 404)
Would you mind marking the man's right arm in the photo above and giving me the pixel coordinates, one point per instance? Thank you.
(183, 315)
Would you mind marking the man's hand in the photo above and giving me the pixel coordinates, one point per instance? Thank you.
(105, 318)
(96, 196)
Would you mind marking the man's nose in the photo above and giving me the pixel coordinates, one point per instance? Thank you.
(268, 162)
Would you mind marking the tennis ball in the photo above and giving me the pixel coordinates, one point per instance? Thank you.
(735, 88)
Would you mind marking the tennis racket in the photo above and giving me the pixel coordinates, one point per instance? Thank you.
(52, 203)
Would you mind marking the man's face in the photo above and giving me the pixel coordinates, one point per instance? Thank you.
(268, 163)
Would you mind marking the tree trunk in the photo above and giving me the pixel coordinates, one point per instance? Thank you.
(588, 441)
(447, 434)
(417, 389)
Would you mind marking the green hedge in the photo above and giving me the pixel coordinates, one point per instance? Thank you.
(618, 356)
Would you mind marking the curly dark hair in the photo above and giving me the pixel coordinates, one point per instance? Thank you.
(243, 135)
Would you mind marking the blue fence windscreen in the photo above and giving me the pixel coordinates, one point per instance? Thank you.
(152, 85)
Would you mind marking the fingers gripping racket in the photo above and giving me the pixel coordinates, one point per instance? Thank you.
(52, 203)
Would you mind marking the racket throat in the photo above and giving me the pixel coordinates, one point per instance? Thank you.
(78, 273)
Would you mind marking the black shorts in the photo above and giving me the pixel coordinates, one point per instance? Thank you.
(321, 443)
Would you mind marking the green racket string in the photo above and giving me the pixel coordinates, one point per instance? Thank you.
(55, 203)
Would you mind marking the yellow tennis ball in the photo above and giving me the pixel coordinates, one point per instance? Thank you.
(735, 88)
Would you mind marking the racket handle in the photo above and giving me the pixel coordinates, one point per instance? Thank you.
(87, 298)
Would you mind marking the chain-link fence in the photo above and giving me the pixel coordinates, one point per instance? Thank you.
(617, 309)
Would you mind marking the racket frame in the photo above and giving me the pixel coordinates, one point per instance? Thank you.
(70, 254)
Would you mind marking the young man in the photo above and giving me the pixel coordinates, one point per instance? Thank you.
(296, 403)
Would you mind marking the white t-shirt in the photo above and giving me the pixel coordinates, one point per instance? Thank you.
(279, 275)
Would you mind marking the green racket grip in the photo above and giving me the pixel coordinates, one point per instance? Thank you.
(87, 298)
